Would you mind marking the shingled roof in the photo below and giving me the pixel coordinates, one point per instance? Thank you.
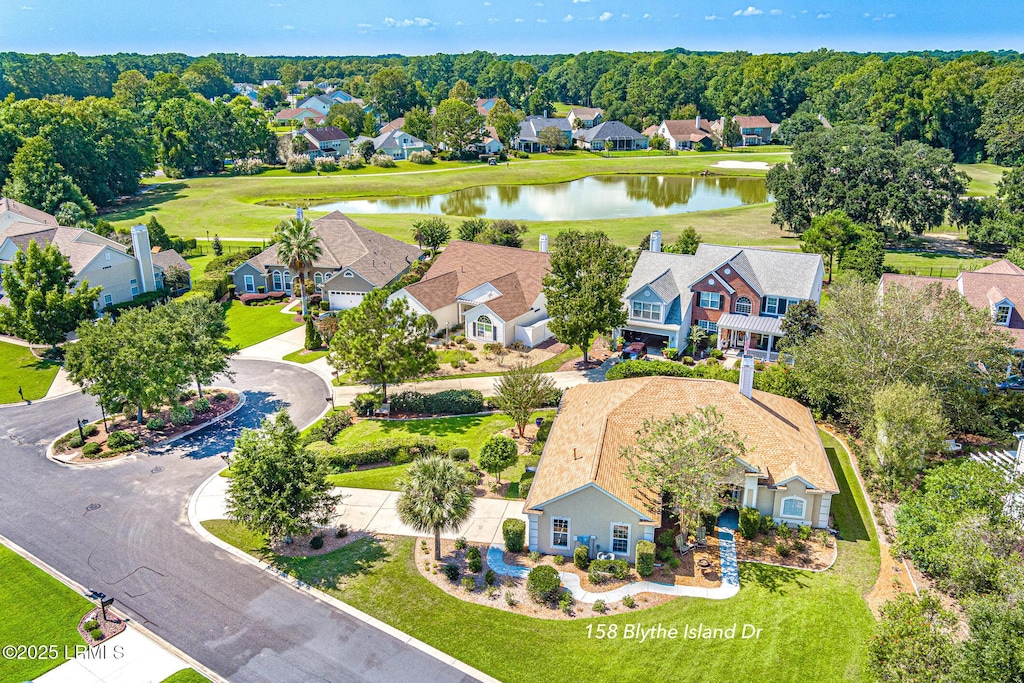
(78, 245)
(597, 421)
(26, 211)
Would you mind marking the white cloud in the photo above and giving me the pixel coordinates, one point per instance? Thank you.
(712, 17)
(625, 16)
(415, 21)
(364, 25)
(646, 16)
(458, 23)
(27, 8)
(520, 20)
(578, 1)
(487, 4)
(538, 4)
(776, 12)
(866, 15)
(605, 16)
(492, 20)
(751, 11)
(824, 15)
(276, 4)
(568, 17)
(288, 27)
(542, 21)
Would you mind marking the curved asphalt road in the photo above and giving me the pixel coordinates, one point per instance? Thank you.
(139, 548)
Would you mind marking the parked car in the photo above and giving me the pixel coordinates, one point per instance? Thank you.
(492, 162)
(1012, 383)
(635, 351)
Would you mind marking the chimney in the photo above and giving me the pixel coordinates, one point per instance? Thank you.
(698, 121)
(141, 249)
(298, 213)
(544, 244)
(747, 376)
(656, 240)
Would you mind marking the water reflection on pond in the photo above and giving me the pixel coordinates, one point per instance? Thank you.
(620, 196)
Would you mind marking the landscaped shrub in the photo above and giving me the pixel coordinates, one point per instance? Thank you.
(91, 448)
(299, 164)
(121, 440)
(674, 563)
(181, 415)
(397, 449)
(601, 570)
(450, 402)
(96, 634)
(91, 624)
(352, 162)
(459, 453)
(201, 405)
(645, 368)
(246, 167)
(767, 524)
(382, 161)
(534, 556)
(782, 549)
(490, 578)
(665, 553)
(325, 164)
(155, 424)
(688, 360)
(543, 583)
(452, 571)
(75, 441)
(366, 403)
(475, 563)
(666, 538)
(784, 532)
(421, 157)
(90, 430)
(629, 601)
(716, 354)
(188, 395)
(525, 483)
(581, 557)
(804, 532)
(799, 546)
(670, 352)
(317, 542)
(514, 531)
(219, 397)
(600, 607)
(473, 551)
(329, 427)
(566, 601)
(750, 522)
(469, 583)
(558, 560)
(644, 558)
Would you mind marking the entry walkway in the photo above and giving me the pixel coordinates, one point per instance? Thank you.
(129, 657)
(730, 572)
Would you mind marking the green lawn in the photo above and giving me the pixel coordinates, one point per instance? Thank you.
(930, 263)
(37, 611)
(815, 626)
(383, 478)
(303, 356)
(18, 367)
(983, 178)
(186, 676)
(248, 325)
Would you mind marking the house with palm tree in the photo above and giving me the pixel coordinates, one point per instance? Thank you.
(342, 259)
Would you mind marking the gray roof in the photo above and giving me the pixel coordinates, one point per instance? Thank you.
(78, 245)
(777, 273)
(320, 98)
(609, 130)
(531, 126)
(390, 139)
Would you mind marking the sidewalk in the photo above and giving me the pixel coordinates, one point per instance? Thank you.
(129, 657)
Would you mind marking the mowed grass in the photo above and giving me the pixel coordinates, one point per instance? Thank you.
(382, 478)
(186, 676)
(933, 264)
(303, 356)
(248, 325)
(984, 178)
(37, 611)
(18, 367)
(814, 626)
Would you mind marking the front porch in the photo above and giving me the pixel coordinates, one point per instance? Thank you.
(752, 334)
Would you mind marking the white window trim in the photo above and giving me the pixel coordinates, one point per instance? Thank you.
(782, 508)
(1009, 314)
(249, 283)
(654, 314)
(108, 300)
(568, 532)
(708, 326)
(748, 303)
(276, 281)
(348, 273)
(318, 278)
(611, 537)
(712, 296)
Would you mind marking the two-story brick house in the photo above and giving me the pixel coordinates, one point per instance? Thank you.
(738, 294)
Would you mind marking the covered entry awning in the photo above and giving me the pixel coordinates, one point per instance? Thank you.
(751, 323)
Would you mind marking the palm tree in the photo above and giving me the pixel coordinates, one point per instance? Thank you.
(436, 497)
(298, 247)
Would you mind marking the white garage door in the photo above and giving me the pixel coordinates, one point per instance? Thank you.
(341, 301)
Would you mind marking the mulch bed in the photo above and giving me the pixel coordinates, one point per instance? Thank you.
(762, 549)
(110, 626)
(148, 436)
(300, 545)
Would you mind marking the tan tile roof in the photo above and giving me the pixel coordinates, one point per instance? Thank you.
(517, 273)
(1001, 267)
(684, 129)
(914, 281)
(597, 421)
(26, 211)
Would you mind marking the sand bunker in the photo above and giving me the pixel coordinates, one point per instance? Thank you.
(758, 165)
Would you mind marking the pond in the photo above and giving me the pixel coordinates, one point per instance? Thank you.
(595, 197)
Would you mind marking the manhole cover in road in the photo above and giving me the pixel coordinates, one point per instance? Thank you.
(92, 506)
(157, 470)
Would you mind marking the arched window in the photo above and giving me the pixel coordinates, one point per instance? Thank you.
(287, 280)
(743, 305)
(483, 328)
(318, 278)
(277, 281)
(793, 507)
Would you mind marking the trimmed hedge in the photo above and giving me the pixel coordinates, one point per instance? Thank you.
(543, 583)
(599, 569)
(91, 448)
(514, 531)
(122, 440)
(450, 402)
(329, 427)
(651, 368)
(395, 449)
(644, 558)
(459, 454)
(581, 557)
(750, 522)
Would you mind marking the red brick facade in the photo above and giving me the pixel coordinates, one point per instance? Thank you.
(740, 289)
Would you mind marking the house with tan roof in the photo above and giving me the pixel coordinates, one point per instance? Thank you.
(581, 494)
(585, 117)
(496, 292)
(327, 141)
(997, 288)
(355, 261)
(298, 115)
(688, 134)
(754, 130)
(102, 262)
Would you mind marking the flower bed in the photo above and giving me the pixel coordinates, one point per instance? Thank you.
(260, 298)
(124, 435)
(802, 554)
(100, 629)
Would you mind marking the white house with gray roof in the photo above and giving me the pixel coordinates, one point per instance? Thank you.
(739, 294)
(530, 128)
(398, 144)
(610, 135)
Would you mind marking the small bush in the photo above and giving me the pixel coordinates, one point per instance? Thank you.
(767, 524)
(220, 397)
(750, 522)
(246, 167)
(325, 164)
(543, 583)
(717, 354)
(666, 538)
(558, 560)
(91, 448)
(299, 164)
(784, 532)
(341, 532)
(644, 558)
(421, 157)
(581, 557)
(665, 554)
(469, 583)
(382, 161)
(490, 578)
(460, 543)
(510, 599)
(352, 162)
(121, 439)
(155, 424)
(91, 624)
(804, 532)
(799, 546)
(75, 441)
(688, 360)
(459, 454)
(824, 538)
(782, 549)
(452, 571)
(514, 531)
(566, 602)
(600, 607)
(96, 634)
(470, 346)
(181, 415)
(316, 543)
(329, 427)
(90, 430)
(475, 563)
(601, 570)
(201, 405)
(534, 556)
(674, 563)
(366, 403)
(473, 551)
(524, 487)
(629, 601)
(670, 352)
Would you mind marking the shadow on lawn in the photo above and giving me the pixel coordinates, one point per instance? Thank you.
(440, 427)
(774, 579)
(328, 570)
(137, 207)
(852, 527)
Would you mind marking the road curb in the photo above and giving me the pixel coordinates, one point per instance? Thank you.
(302, 587)
(177, 437)
(81, 590)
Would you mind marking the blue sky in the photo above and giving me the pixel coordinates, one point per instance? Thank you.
(345, 27)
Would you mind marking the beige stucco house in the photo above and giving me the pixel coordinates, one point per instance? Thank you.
(582, 496)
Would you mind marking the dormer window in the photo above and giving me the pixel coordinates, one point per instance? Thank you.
(645, 311)
(1002, 314)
